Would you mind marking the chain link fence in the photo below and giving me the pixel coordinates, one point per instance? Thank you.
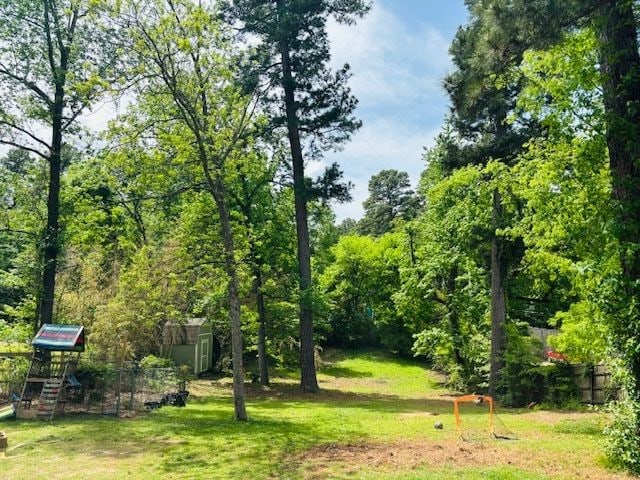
(13, 368)
(118, 391)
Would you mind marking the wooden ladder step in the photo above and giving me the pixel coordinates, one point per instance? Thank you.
(49, 397)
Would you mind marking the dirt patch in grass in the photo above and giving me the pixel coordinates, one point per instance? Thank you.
(316, 463)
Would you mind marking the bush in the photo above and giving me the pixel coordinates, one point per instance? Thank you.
(471, 373)
(623, 436)
(151, 361)
(19, 333)
(90, 372)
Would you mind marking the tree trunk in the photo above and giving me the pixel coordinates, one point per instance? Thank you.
(218, 192)
(263, 365)
(498, 298)
(454, 323)
(308, 380)
(51, 233)
(620, 67)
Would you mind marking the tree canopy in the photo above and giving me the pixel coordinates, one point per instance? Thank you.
(196, 200)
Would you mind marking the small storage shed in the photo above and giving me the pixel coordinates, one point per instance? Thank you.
(189, 343)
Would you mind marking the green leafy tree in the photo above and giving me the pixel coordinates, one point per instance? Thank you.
(55, 62)
(22, 208)
(189, 99)
(444, 290)
(481, 106)
(565, 191)
(311, 102)
(360, 285)
(269, 235)
(545, 23)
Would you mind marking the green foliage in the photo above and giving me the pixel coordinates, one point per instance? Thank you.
(19, 333)
(360, 284)
(91, 370)
(22, 201)
(623, 442)
(562, 86)
(148, 293)
(12, 374)
(583, 334)
(523, 380)
(564, 186)
(444, 293)
(151, 361)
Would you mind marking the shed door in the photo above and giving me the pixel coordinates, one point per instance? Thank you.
(204, 355)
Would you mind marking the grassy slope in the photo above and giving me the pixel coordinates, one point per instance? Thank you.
(373, 420)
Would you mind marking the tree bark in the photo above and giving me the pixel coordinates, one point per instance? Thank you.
(308, 380)
(263, 364)
(51, 234)
(620, 67)
(454, 322)
(498, 298)
(219, 195)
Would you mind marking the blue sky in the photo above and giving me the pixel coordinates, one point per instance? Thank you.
(399, 56)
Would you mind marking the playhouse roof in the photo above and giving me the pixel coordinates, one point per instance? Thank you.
(186, 333)
(60, 338)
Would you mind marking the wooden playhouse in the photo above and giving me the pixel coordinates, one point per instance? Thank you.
(56, 350)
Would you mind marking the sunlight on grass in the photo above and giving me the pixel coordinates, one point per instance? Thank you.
(373, 419)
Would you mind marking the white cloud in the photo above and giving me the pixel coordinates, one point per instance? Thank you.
(381, 144)
(390, 63)
(397, 77)
(313, 168)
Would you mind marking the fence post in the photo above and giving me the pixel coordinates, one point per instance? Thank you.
(592, 383)
(102, 398)
(133, 388)
(118, 392)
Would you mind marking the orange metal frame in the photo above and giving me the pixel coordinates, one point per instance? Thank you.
(475, 399)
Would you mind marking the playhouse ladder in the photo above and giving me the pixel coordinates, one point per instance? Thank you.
(49, 397)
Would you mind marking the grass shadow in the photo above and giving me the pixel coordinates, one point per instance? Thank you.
(279, 395)
(343, 372)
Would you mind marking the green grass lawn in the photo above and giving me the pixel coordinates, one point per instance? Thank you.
(373, 420)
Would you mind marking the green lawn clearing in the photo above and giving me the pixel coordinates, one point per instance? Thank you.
(373, 419)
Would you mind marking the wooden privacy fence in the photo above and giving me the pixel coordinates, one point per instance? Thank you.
(595, 384)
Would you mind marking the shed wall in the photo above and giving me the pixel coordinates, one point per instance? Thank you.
(183, 354)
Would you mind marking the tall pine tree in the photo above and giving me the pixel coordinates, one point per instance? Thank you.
(481, 106)
(313, 103)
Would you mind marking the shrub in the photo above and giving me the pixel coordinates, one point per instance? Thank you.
(623, 436)
(90, 372)
(151, 361)
(19, 333)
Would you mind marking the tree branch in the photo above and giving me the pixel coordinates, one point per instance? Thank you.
(26, 132)
(24, 147)
(27, 83)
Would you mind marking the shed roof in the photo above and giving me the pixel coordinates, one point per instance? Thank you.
(182, 333)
